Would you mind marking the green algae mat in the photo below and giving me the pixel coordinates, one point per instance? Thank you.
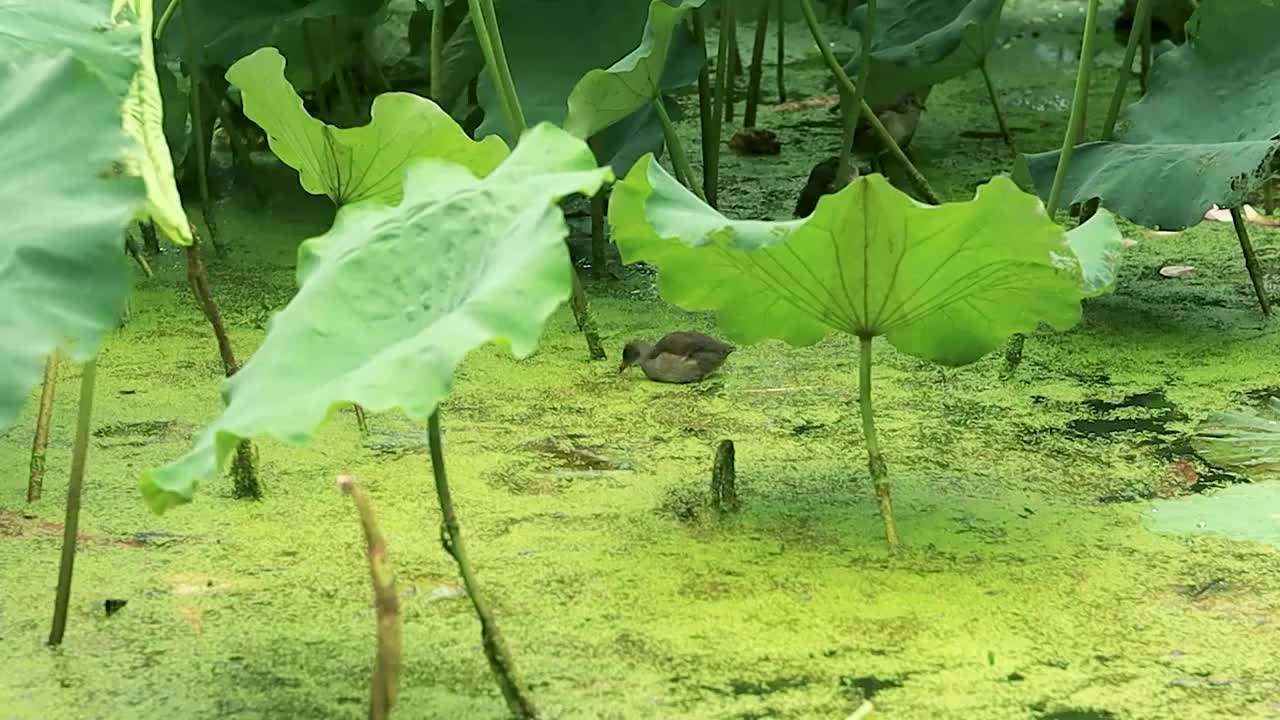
(1071, 548)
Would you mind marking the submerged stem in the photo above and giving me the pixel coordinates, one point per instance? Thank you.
(495, 648)
(875, 462)
(71, 523)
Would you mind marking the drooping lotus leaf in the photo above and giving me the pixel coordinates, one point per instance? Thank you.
(552, 44)
(361, 163)
(227, 30)
(1099, 246)
(112, 46)
(946, 283)
(1202, 134)
(603, 98)
(918, 43)
(144, 122)
(1243, 438)
(393, 297)
(65, 203)
(1241, 512)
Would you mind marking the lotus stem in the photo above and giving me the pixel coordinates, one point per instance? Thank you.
(485, 21)
(1144, 72)
(995, 103)
(735, 63)
(598, 261)
(847, 89)
(1141, 18)
(1251, 261)
(757, 66)
(495, 649)
(384, 685)
(40, 443)
(71, 523)
(705, 101)
(165, 17)
(1075, 125)
(875, 462)
(244, 471)
(437, 51)
(782, 52)
(850, 104)
(723, 61)
(204, 143)
(679, 159)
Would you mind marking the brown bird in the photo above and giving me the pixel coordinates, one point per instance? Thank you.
(680, 357)
(822, 181)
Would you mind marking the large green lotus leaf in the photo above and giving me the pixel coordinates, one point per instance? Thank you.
(1099, 246)
(64, 204)
(552, 44)
(30, 30)
(1244, 438)
(393, 297)
(1202, 134)
(1241, 512)
(918, 43)
(946, 283)
(144, 122)
(354, 164)
(603, 98)
(227, 30)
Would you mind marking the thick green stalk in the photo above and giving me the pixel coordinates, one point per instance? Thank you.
(724, 58)
(1076, 123)
(485, 19)
(204, 143)
(437, 50)
(1141, 18)
(850, 105)
(1250, 260)
(704, 100)
(495, 649)
(847, 88)
(782, 52)
(679, 159)
(71, 524)
(875, 462)
(166, 16)
(995, 103)
(756, 71)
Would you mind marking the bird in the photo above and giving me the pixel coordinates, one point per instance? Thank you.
(679, 357)
(822, 181)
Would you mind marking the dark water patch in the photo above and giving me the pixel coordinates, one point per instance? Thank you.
(572, 452)
(764, 688)
(1075, 714)
(395, 445)
(135, 434)
(1144, 419)
(868, 686)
